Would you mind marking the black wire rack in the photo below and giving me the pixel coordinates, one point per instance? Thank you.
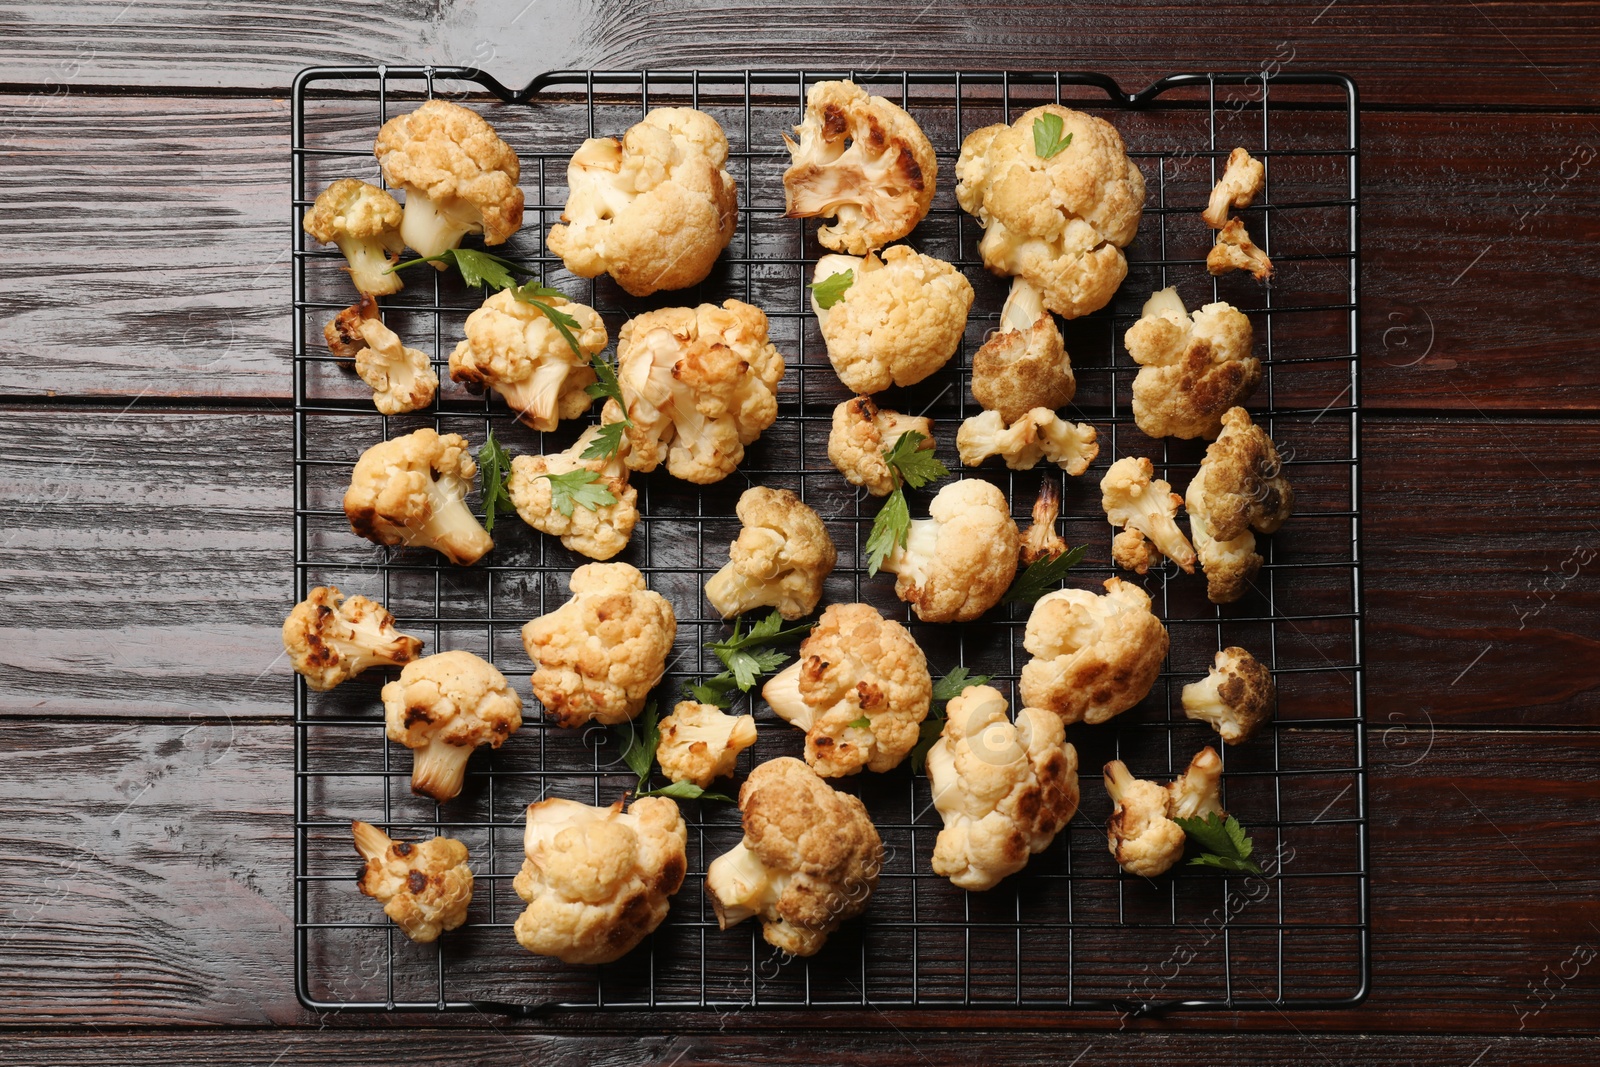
(1071, 931)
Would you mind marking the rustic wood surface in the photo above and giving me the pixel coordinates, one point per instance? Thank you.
(146, 482)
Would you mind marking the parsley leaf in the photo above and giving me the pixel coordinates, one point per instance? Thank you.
(606, 387)
(830, 290)
(536, 296)
(947, 688)
(717, 690)
(477, 268)
(581, 487)
(744, 659)
(1041, 576)
(950, 686)
(606, 443)
(494, 467)
(912, 465)
(684, 791)
(1047, 139)
(862, 723)
(639, 748)
(890, 530)
(916, 466)
(1224, 842)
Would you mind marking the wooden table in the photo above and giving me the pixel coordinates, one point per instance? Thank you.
(146, 742)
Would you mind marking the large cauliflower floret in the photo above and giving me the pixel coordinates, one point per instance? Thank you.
(699, 384)
(1024, 364)
(599, 654)
(1061, 222)
(458, 175)
(859, 689)
(901, 319)
(1038, 434)
(1241, 180)
(653, 210)
(862, 161)
(809, 861)
(514, 348)
(1094, 656)
(1240, 486)
(862, 432)
(1192, 368)
(330, 639)
(1141, 833)
(442, 708)
(1003, 789)
(598, 880)
(701, 742)
(780, 559)
(364, 221)
(1236, 696)
(413, 491)
(1235, 251)
(401, 378)
(599, 532)
(1134, 498)
(959, 562)
(425, 888)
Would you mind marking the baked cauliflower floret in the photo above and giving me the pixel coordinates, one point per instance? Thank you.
(425, 888)
(809, 861)
(598, 880)
(699, 384)
(443, 707)
(701, 742)
(900, 320)
(1241, 180)
(401, 378)
(1061, 222)
(862, 432)
(458, 175)
(1134, 498)
(1235, 697)
(513, 348)
(1235, 251)
(1003, 789)
(599, 654)
(1040, 540)
(1192, 367)
(1240, 486)
(958, 563)
(413, 491)
(1141, 833)
(1038, 434)
(653, 210)
(780, 559)
(364, 221)
(861, 161)
(599, 532)
(330, 639)
(1094, 656)
(1024, 363)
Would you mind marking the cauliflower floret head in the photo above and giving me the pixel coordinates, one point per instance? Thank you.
(1139, 835)
(1134, 498)
(1003, 789)
(1024, 364)
(1038, 434)
(1094, 656)
(443, 707)
(1196, 792)
(701, 742)
(413, 491)
(861, 161)
(516, 350)
(425, 888)
(1235, 697)
(599, 532)
(1192, 368)
(401, 378)
(1061, 222)
(809, 861)
(653, 210)
(330, 639)
(364, 221)
(1240, 182)
(598, 880)
(1235, 251)
(860, 690)
(780, 559)
(862, 432)
(1240, 486)
(959, 562)
(599, 654)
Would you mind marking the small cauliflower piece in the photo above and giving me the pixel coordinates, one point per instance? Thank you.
(600, 532)
(1134, 498)
(1192, 368)
(1024, 364)
(653, 210)
(1041, 541)
(862, 432)
(443, 707)
(1196, 792)
(425, 888)
(330, 639)
(1094, 656)
(1131, 552)
(364, 221)
(701, 743)
(1235, 251)
(458, 175)
(599, 654)
(780, 559)
(1003, 789)
(957, 563)
(413, 491)
(401, 378)
(699, 384)
(598, 881)
(1236, 697)
(1240, 486)
(809, 861)
(1061, 223)
(1038, 434)
(1241, 181)
(513, 348)
(1141, 833)
(861, 161)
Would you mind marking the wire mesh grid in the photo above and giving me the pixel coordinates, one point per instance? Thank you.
(1071, 931)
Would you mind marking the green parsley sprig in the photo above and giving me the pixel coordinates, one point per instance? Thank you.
(1047, 139)
(639, 753)
(1224, 843)
(909, 464)
(944, 690)
(494, 469)
(830, 290)
(606, 386)
(744, 659)
(1041, 576)
(497, 272)
(580, 487)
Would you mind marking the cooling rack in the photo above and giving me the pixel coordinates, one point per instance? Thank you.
(1070, 932)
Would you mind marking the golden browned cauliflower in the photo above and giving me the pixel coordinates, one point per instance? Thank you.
(599, 654)
(1192, 368)
(597, 880)
(809, 861)
(442, 708)
(780, 559)
(861, 161)
(401, 378)
(1236, 697)
(330, 639)
(1235, 251)
(1038, 434)
(1024, 364)
(653, 210)
(1140, 834)
(859, 689)
(458, 175)
(413, 491)
(1241, 180)
(364, 221)
(1134, 498)
(599, 532)
(1094, 656)
(425, 888)
(1003, 789)
(1060, 222)
(701, 742)
(1040, 540)
(959, 562)
(513, 348)
(1240, 486)
(862, 432)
